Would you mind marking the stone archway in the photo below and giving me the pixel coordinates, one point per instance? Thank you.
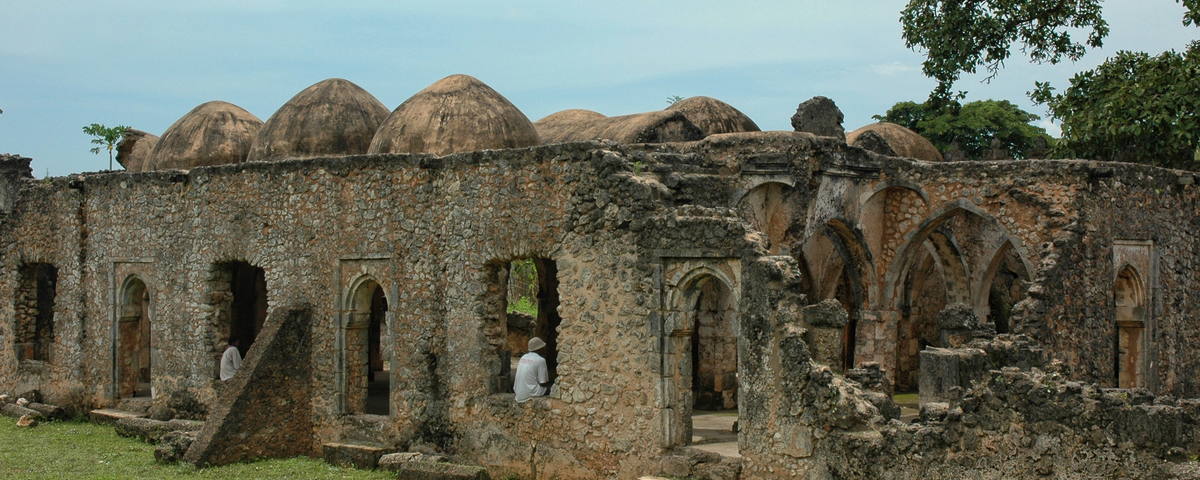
(769, 208)
(366, 350)
(932, 270)
(1003, 286)
(700, 352)
(134, 341)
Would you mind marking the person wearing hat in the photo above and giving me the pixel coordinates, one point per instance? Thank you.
(532, 378)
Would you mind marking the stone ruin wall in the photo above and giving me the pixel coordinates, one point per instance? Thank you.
(616, 220)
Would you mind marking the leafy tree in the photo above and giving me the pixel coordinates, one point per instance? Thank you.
(671, 100)
(1132, 108)
(105, 138)
(959, 36)
(981, 130)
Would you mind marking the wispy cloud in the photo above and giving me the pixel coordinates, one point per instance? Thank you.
(893, 68)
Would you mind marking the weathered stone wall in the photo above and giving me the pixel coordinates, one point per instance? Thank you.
(766, 222)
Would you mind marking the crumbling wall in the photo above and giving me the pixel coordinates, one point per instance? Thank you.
(264, 410)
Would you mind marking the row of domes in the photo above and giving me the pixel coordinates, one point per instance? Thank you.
(455, 114)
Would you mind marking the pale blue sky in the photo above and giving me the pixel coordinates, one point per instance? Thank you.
(65, 64)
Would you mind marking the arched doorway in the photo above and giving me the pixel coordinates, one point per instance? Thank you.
(1004, 286)
(133, 341)
(701, 360)
(1129, 295)
(367, 348)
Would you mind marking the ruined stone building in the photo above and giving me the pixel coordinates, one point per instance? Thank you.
(684, 261)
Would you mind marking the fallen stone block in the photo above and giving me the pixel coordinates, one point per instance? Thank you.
(27, 421)
(422, 470)
(16, 411)
(22, 402)
(47, 410)
(353, 455)
(144, 429)
(173, 445)
(109, 415)
(393, 461)
(5, 398)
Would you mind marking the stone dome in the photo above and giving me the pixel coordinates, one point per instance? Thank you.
(456, 114)
(904, 142)
(135, 149)
(651, 127)
(713, 116)
(331, 117)
(558, 124)
(214, 133)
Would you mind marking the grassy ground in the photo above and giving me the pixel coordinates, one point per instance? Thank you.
(61, 450)
(906, 399)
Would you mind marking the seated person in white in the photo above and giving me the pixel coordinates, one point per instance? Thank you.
(231, 360)
(532, 378)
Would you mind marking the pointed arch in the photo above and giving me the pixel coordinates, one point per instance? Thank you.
(133, 345)
(1002, 284)
(1130, 302)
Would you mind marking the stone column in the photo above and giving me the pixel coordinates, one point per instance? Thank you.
(355, 354)
(824, 323)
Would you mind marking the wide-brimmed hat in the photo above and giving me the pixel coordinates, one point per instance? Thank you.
(536, 344)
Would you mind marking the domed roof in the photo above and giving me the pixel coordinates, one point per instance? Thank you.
(135, 149)
(456, 114)
(713, 116)
(558, 124)
(213, 133)
(650, 127)
(331, 117)
(904, 142)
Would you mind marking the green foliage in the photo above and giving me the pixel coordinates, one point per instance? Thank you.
(671, 100)
(1132, 108)
(522, 287)
(83, 450)
(959, 36)
(105, 138)
(523, 305)
(974, 128)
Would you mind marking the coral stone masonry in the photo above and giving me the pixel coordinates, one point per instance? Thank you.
(1044, 311)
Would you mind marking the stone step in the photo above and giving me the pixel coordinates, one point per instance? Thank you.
(134, 404)
(354, 454)
(111, 415)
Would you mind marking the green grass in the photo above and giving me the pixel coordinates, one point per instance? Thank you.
(523, 305)
(906, 399)
(62, 450)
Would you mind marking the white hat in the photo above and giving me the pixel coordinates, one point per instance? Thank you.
(536, 344)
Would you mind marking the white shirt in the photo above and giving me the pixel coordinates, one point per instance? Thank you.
(531, 373)
(231, 361)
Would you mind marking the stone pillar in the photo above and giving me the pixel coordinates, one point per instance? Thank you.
(824, 323)
(356, 366)
(958, 324)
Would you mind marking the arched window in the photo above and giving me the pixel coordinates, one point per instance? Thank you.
(1129, 297)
